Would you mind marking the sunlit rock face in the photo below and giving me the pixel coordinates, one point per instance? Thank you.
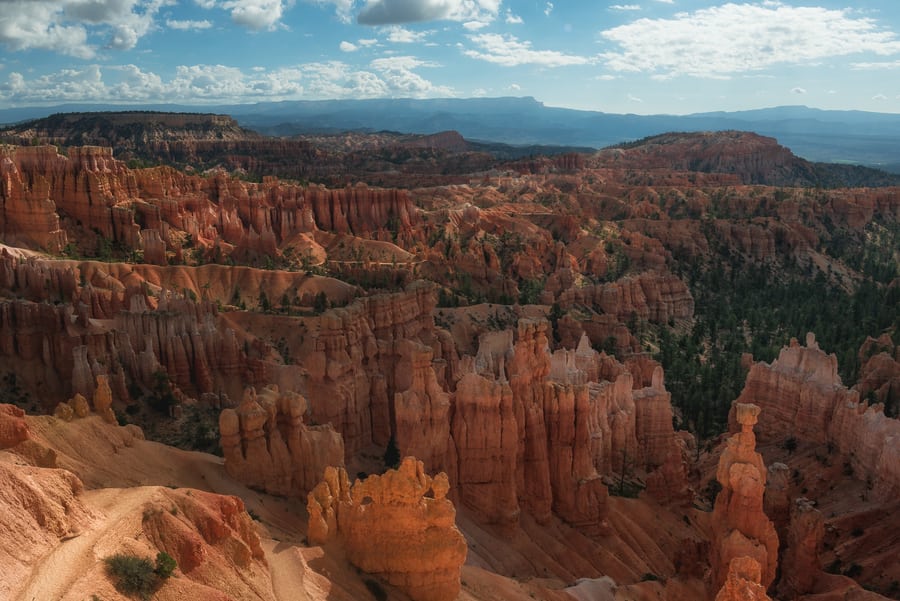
(740, 526)
(398, 526)
(742, 582)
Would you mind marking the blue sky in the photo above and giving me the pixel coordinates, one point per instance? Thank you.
(630, 56)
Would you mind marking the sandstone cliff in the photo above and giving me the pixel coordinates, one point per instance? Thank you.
(802, 396)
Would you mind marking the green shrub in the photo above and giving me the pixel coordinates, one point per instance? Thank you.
(134, 575)
(165, 565)
(137, 575)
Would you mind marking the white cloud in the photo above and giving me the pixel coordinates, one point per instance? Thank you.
(255, 14)
(386, 12)
(634, 98)
(876, 65)
(65, 85)
(666, 1)
(735, 38)
(548, 8)
(390, 76)
(343, 8)
(475, 25)
(798, 90)
(187, 25)
(879, 97)
(513, 19)
(515, 87)
(138, 85)
(348, 47)
(508, 51)
(397, 72)
(76, 27)
(625, 7)
(401, 35)
(367, 42)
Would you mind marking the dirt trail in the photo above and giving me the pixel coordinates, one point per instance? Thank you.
(287, 570)
(73, 558)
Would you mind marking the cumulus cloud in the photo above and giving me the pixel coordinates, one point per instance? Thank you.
(367, 42)
(625, 7)
(401, 35)
(188, 24)
(548, 8)
(398, 74)
(390, 76)
(65, 85)
(513, 19)
(798, 90)
(255, 14)
(348, 47)
(734, 38)
(386, 12)
(879, 97)
(76, 27)
(508, 51)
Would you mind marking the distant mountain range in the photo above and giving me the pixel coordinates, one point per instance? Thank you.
(853, 137)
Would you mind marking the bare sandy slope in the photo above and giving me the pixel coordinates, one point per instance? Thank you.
(57, 573)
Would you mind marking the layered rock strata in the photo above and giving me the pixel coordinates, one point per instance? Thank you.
(802, 396)
(380, 367)
(389, 527)
(534, 431)
(149, 210)
(268, 447)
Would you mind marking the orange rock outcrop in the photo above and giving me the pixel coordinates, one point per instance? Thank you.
(742, 583)
(389, 527)
(268, 447)
(13, 428)
(740, 526)
(211, 537)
